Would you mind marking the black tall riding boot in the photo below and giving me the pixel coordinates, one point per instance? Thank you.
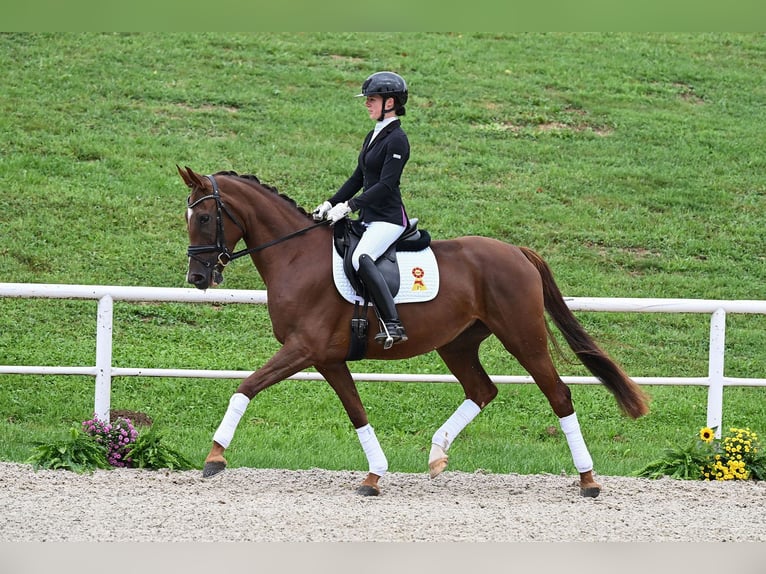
(377, 289)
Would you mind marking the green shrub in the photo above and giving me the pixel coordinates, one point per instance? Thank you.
(150, 451)
(79, 453)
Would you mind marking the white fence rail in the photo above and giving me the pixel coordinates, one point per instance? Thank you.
(103, 371)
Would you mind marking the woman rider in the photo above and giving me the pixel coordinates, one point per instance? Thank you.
(384, 154)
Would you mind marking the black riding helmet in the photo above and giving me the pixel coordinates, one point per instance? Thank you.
(388, 85)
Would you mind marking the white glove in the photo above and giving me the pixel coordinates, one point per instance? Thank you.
(321, 211)
(338, 212)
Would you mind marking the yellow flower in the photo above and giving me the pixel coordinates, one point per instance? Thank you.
(707, 434)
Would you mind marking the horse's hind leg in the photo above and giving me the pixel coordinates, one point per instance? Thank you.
(560, 398)
(536, 359)
(462, 358)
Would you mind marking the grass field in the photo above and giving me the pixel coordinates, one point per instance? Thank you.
(632, 162)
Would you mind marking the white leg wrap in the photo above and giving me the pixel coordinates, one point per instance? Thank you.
(237, 405)
(464, 414)
(580, 455)
(375, 457)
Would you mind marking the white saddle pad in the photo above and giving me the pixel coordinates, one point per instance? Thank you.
(418, 277)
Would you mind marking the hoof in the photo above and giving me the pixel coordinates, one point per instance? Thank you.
(368, 490)
(437, 460)
(213, 468)
(591, 490)
(436, 467)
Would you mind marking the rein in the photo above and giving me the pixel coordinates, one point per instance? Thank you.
(224, 255)
(241, 252)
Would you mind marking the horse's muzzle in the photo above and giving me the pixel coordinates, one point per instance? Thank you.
(205, 280)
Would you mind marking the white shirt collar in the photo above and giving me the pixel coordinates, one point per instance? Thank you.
(380, 125)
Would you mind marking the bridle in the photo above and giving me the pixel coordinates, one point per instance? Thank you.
(225, 256)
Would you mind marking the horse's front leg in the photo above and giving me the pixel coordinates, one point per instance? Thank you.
(340, 379)
(286, 362)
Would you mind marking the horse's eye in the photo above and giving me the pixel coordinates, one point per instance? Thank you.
(204, 218)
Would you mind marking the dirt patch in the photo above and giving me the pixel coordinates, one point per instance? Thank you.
(270, 505)
(137, 418)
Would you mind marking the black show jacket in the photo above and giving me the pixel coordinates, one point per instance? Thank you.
(379, 172)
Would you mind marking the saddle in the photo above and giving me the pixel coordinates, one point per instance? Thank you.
(347, 235)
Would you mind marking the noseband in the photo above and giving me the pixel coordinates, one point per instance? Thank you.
(225, 256)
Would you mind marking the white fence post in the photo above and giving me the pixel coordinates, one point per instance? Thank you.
(715, 371)
(104, 358)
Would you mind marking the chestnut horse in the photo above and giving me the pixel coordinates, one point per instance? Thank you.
(487, 287)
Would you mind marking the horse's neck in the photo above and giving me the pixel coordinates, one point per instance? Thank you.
(271, 219)
(285, 266)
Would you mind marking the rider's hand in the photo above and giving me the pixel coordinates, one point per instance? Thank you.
(321, 211)
(338, 212)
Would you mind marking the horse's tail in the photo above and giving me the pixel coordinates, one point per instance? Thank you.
(629, 395)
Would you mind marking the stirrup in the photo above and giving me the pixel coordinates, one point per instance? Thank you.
(390, 335)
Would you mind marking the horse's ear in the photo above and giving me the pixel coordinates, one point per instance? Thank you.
(190, 178)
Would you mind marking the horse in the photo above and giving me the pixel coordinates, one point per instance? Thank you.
(487, 287)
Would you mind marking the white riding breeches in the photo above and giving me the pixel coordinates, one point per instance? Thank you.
(377, 238)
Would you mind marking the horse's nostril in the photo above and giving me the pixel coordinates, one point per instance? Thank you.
(196, 279)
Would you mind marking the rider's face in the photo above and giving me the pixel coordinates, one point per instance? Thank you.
(374, 105)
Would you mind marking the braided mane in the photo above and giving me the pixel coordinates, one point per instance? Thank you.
(271, 188)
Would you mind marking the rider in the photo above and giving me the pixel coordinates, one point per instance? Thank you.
(384, 153)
